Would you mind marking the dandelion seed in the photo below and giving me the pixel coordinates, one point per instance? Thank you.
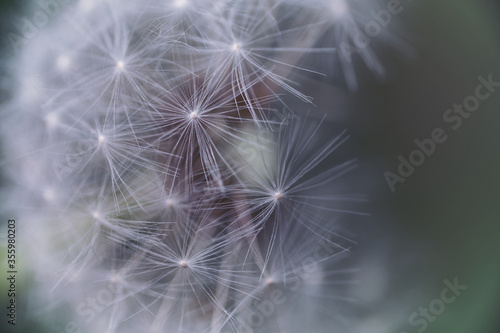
(120, 65)
(193, 115)
(278, 195)
(101, 139)
(170, 203)
(236, 47)
(96, 216)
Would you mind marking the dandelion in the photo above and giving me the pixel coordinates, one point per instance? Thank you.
(286, 180)
(126, 144)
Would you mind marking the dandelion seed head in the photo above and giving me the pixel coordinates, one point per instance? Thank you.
(101, 139)
(236, 47)
(120, 65)
(168, 116)
(194, 115)
(270, 281)
(96, 216)
(171, 203)
(278, 195)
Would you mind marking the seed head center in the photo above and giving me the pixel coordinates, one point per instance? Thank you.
(194, 115)
(120, 65)
(236, 47)
(170, 203)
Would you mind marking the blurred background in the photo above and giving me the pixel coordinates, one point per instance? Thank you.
(443, 222)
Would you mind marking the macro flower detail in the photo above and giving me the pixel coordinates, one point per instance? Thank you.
(170, 174)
